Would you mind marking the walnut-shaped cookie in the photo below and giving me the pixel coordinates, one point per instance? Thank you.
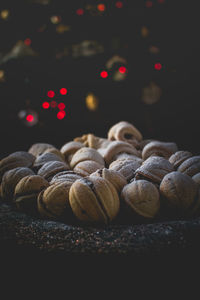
(117, 179)
(125, 131)
(179, 157)
(56, 152)
(51, 168)
(154, 169)
(117, 147)
(16, 159)
(94, 200)
(26, 193)
(196, 178)
(96, 142)
(69, 175)
(179, 191)
(10, 180)
(126, 167)
(158, 148)
(53, 202)
(86, 153)
(69, 148)
(142, 198)
(190, 166)
(39, 148)
(44, 158)
(87, 167)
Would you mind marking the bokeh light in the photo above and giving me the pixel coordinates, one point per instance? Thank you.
(50, 94)
(104, 74)
(158, 66)
(63, 91)
(45, 105)
(61, 114)
(91, 102)
(61, 106)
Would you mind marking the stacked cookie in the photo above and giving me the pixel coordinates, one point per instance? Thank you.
(96, 180)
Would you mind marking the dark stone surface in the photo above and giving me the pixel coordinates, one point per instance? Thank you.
(25, 234)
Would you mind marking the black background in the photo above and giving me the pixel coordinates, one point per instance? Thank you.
(174, 28)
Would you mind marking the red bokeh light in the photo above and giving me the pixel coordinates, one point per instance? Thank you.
(61, 105)
(122, 69)
(161, 1)
(119, 4)
(45, 105)
(80, 11)
(50, 94)
(149, 3)
(27, 42)
(104, 74)
(61, 114)
(53, 104)
(158, 66)
(101, 7)
(63, 91)
(29, 118)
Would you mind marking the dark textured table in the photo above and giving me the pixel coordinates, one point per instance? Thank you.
(25, 233)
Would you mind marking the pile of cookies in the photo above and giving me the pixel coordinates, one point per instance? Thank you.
(96, 180)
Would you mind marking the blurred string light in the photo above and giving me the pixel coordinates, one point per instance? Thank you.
(91, 102)
(45, 105)
(157, 66)
(144, 31)
(148, 4)
(104, 74)
(61, 114)
(50, 94)
(61, 106)
(2, 76)
(28, 117)
(55, 19)
(63, 91)
(4, 14)
(27, 42)
(151, 93)
(62, 28)
(119, 4)
(154, 50)
(53, 103)
(20, 49)
(101, 7)
(80, 11)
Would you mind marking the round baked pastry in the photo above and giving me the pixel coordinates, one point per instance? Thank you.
(179, 157)
(117, 147)
(86, 153)
(50, 168)
(179, 191)
(44, 158)
(70, 176)
(53, 202)
(143, 199)
(94, 200)
(126, 167)
(125, 131)
(117, 179)
(10, 180)
(14, 160)
(87, 167)
(158, 148)
(26, 193)
(69, 148)
(190, 166)
(196, 178)
(39, 148)
(154, 169)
